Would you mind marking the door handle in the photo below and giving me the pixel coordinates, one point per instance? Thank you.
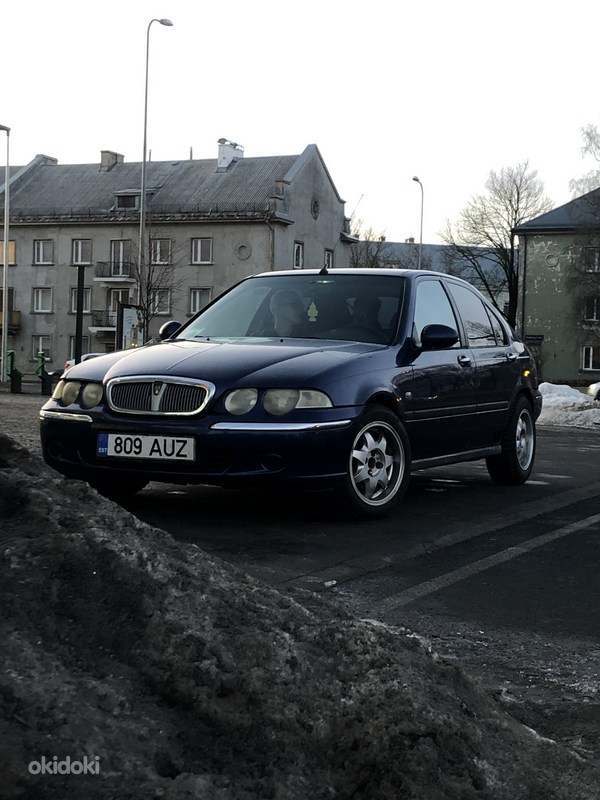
(511, 356)
(464, 361)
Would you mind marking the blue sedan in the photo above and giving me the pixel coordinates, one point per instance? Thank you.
(343, 379)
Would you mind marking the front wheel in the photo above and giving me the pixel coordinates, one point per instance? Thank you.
(514, 464)
(378, 464)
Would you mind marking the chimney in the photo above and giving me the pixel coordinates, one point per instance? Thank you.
(108, 159)
(229, 152)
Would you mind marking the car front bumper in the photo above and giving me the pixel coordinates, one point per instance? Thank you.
(227, 452)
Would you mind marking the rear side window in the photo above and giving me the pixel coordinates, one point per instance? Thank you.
(498, 327)
(474, 316)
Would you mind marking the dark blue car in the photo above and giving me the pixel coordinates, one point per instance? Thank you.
(345, 380)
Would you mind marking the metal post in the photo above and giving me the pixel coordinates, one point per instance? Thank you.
(421, 233)
(4, 346)
(142, 246)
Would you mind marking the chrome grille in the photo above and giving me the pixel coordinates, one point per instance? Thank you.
(154, 394)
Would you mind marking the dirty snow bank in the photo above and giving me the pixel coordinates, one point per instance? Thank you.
(186, 678)
(565, 406)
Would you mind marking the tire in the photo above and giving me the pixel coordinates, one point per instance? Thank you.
(513, 465)
(118, 490)
(378, 465)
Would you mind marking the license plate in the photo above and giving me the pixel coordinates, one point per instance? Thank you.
(163, 448)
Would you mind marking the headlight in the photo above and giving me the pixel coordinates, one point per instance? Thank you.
(58, 390)
(281, 401)
(91, 395)
(70, 392)
(241, 401)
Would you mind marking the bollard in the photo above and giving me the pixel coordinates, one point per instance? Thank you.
(16, 381)
(46, 383)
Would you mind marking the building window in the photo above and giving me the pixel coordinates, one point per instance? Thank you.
(42, 300)
(298, 255)
(12, 252)
(591, 357)
(43, 251)
(120, 252)
(160, 301)
(592, 259)
(126, 202)
(116, 296)
(160, 251)
(87, 300)
(328, 262)
(198, 299)
(85, 345)
(202, 250)
(82, 251)
(592, 309)
(41, 344)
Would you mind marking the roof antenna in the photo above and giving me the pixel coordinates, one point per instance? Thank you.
(323, 271)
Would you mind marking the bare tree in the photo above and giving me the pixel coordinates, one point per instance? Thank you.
(368, 251)
(513, 196)
(590, 147)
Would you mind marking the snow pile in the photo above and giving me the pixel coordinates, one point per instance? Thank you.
(181, 677)
(565, 406)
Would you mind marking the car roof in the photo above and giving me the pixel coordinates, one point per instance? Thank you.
(411, 274)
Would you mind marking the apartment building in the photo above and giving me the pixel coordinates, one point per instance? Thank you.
(74, 250)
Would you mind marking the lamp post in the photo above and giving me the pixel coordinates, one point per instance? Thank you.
(421, 233)
(4, 347)
(141, 249)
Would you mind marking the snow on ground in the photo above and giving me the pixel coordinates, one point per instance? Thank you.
(569, 407)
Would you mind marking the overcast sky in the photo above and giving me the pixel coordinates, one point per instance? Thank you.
(443, 89)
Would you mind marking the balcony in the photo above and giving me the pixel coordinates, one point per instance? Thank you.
(14, 321)
(103, 322)
(111, 273)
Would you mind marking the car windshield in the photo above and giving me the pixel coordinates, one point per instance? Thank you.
(354, 308)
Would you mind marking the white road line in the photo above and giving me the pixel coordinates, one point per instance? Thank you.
(442, 581)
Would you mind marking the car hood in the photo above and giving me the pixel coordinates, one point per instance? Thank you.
(228, 362)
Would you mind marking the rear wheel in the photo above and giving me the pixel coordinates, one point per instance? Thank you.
(118, 490)
(378, 464)
(514, 464)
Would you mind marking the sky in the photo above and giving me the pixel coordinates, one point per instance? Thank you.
(387, 90)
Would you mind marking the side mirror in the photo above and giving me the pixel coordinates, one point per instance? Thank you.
(168, 329)
(438, 337)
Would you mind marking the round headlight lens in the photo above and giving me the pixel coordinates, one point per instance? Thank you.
(91, 395)
(58, 390)
(70, 392)
(241, 401)
(281, 401)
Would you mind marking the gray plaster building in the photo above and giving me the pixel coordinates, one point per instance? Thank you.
(75, 239)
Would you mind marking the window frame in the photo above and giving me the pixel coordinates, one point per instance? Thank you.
(196, 290)
(157, 262)
(77, 246)
(155, 301)
(587, 357)
(197, 248)
(47, 350)
(40, 292)
(298, 255)
(43, 261)
(87, 296)
(595, 301)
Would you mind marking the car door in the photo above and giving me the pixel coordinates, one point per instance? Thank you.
(442, 403)
(495, 360)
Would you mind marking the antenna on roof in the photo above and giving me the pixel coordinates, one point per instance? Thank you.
(323, 271)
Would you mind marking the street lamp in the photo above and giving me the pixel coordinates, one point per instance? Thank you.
(421, 233)
(4, 348)
(169, 24)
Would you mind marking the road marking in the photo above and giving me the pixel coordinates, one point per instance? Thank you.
(442, 581)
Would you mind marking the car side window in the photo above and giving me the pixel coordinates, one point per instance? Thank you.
(498, 327)
(474, 316)
(432, 306)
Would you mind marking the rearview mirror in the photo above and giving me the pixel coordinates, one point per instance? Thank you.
(168, 329)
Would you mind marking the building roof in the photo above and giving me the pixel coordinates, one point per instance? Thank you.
(581, 213)
(45, 189)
